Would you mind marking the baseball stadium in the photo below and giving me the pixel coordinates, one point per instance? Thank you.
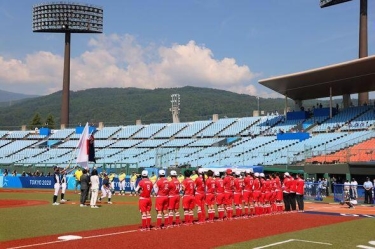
(313, 169)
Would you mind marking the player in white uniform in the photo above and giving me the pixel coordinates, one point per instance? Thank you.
(63, 186)
(57, 185)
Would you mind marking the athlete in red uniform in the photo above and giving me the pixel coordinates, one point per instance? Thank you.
(257, 193)
(174, 198)
(199, 196)
(210, 195)
(237, 196)
(292, 193)
(300, 192)
(145, 203)
(248, 193)
(279, 193)
(286, 191)
(219, 187)
(161, 205)
(228, 193)
(188, 201)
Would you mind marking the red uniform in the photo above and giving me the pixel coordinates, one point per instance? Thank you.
(300, 186)
(145, 202)
(228, 190)
(219, 186)
(267, 190)
(188, 198)
(238, 188)
(257, 190)
(248, 189)
(279, 190)
(174, 194)
(162, 195)
(210, 194)
(199, 191)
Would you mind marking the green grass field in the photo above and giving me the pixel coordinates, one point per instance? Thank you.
(34, 221)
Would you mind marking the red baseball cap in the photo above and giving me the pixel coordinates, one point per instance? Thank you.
(229, 171)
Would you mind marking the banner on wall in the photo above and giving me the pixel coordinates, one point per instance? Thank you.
(48, 182)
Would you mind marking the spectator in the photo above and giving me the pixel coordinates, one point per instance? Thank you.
(5, 172)
(14, 173)
(23, 173)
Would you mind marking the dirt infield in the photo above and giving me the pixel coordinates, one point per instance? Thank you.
(20, 203)
(206, 235)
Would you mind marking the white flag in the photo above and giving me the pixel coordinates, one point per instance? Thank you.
(83, 153)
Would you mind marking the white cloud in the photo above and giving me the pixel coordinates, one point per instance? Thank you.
(120, 61)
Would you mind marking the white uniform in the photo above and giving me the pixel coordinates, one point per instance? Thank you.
(94, 179)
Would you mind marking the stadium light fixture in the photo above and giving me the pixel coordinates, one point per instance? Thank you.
(175, 109)
(67, 18)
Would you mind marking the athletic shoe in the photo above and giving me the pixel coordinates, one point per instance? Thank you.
(55, 204)
(109, 202)
(94, 207)
(63, 200)
(82, 205)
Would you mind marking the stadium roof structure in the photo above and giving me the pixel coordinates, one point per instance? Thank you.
(349, 77)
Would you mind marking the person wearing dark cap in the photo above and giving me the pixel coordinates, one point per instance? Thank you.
(367, 185)
(57, 185)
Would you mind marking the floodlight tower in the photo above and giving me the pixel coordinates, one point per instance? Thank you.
(67, 18)
(363, 40)
(175, 108)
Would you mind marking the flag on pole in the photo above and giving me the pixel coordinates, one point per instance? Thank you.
(83, 146)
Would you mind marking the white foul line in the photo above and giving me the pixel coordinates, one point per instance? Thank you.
(291, 240)
(59, 241)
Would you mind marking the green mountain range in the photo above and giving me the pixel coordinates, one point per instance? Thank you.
(123, 106)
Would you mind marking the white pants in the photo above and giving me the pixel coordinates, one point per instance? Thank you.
(63, 187)
(122, 185)
(132, 186)
(94, 196)
(113, 185)
(57, 188)
(106, 192)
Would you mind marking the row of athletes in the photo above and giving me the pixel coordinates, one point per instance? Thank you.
(253, 192)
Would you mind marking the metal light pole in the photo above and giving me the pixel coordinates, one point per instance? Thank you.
(67, 18)
(175, 109)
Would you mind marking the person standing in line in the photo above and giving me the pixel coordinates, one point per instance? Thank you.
(94, 180)
(200, 189)
(145, 203)
(286, 191)
(174, 199)
(300, 183)
(367, 185)
(106, 189)
(238, 193)
(77, 174)
(121, 181)
(210, 195)
(161, 204)
(188, 199)
(228, 193)
(354, 187)
(292, 193)
(220, 196)
(57, 185)
(133, 181)
(63, 186)
(85, 185)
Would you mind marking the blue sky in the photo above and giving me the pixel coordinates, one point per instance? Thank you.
(219, 44)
